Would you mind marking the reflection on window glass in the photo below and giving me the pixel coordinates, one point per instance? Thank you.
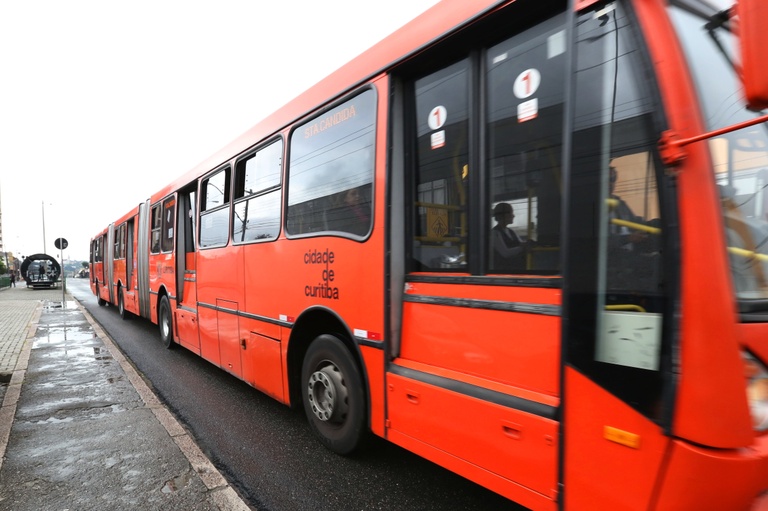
(616, 253)
(214, 214)
(169, 219)
(331, 170)
(442, 123)
(525, 130)
(258, 218)
(213, 228)
(157, 222)
(216, 191)
(740, 158)
(257, 189)
(119, 240)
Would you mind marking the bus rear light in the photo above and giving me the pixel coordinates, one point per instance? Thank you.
(756, 375)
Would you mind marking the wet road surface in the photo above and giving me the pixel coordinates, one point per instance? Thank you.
(267, 451)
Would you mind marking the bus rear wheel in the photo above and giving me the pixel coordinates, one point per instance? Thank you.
(101, 301)
(165, 322)
(333, 396)
(124, 314)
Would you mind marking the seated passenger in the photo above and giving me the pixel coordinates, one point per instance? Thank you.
(508, 250)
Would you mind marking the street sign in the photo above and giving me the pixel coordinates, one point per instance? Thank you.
(61, 243)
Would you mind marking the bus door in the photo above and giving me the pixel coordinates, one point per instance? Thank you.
(220, 279)
(130, 267)
(109, 263)
(619, 372)
(474, 382)
(186, 272)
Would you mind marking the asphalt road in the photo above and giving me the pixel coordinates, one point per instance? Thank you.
(267, 451)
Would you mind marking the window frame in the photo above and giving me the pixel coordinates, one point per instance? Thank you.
(287, 167)
(260, 193)
(204, 211)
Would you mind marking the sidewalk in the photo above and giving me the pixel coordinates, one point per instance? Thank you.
(80, 429)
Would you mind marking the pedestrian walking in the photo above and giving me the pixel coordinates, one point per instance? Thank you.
(13, 279)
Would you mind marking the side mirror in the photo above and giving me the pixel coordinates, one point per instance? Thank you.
(753, 36)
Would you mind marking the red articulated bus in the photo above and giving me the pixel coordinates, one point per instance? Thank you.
(525, 239)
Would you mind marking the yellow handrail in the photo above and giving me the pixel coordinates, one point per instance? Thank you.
(625, 307)
(748, 254)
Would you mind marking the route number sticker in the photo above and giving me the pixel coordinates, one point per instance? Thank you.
(437, 117)
(527, 83)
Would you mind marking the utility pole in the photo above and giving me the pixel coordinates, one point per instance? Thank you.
(44, 249)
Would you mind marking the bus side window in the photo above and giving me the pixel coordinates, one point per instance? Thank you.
(169, 221)
(214, 210)
(525, 107)
(330, 174)
(440, 222)
(257, 195)
(156, 228)
(616, 252)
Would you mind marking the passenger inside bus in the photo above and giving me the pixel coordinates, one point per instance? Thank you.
(351, 213)
(509, 250)
(622, 236)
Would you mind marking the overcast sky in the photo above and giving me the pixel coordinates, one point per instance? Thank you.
(104, 102)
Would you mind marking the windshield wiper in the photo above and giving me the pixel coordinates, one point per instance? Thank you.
(719, 21)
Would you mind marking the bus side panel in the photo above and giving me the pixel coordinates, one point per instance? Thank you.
(613, 454)
(186, 314)
(373, 358)
(262, 366)
(119, 276)
(517, 451)
(520, 349)
(262, 358)
(162, 270)
(486, 378)
(219, 278)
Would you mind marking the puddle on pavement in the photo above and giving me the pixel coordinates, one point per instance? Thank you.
(177, 483)
(101, 353)
(52, 305)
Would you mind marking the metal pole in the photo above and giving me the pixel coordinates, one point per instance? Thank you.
(63, 281)
(45, 251)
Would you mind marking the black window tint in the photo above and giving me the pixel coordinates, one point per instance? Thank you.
(617, 284)
(331, 170)
(526, 93)
(169, 220)
(442, 184)
(157, 222)
(120, 242)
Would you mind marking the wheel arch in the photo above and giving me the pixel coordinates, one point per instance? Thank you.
(309, 326)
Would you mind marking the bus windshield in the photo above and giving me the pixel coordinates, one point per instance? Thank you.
(739, 158)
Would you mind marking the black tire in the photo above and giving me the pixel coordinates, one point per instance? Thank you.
(165, 322)
(101, 301)
(124, 314)
(333, 395)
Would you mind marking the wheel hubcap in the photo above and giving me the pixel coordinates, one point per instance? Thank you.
(328, 394)
(166, 327)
